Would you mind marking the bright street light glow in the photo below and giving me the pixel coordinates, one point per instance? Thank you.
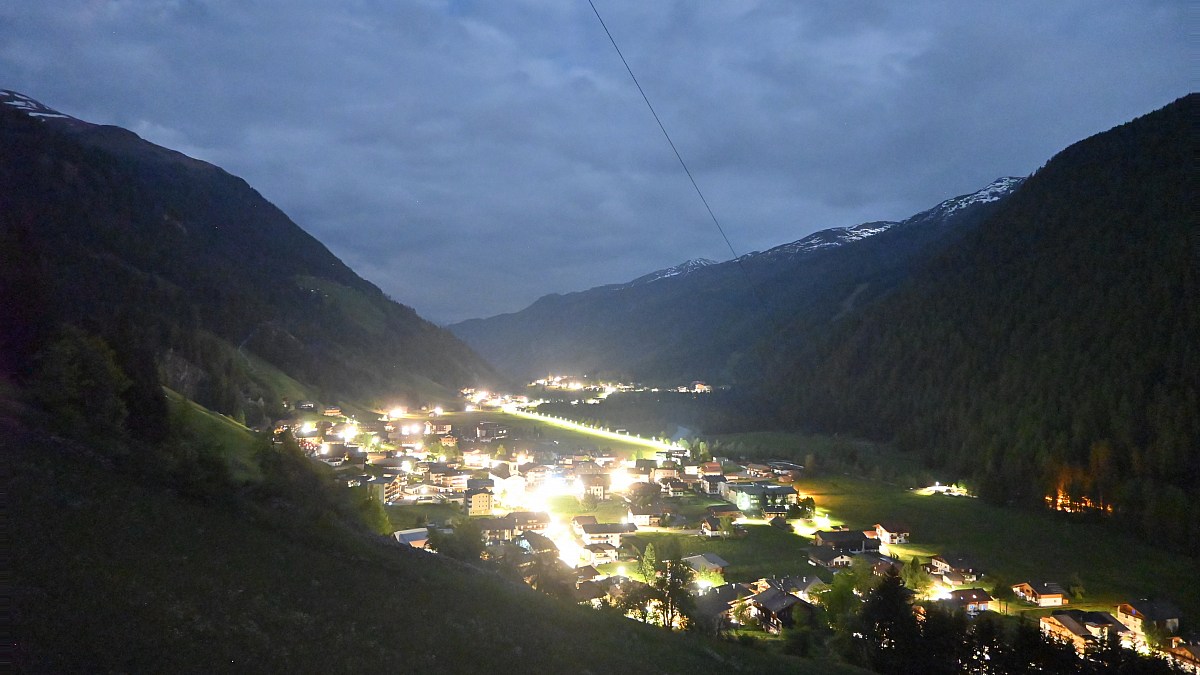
(575, 426)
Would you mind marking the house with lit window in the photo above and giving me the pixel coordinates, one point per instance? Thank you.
(387, 489)
(1142, 614)
(1085, 630)
(578, 522)
(530, 521)
(598, 554)
(478, 502)
(774, 609)
(955, 569)
(758, 496)
(710, 484)
(828, 557)
(970, 600)
(847, 541)
(646, 516)
(496, 530)
(1041, 593)
(891, 532)
(594, 484)
(605, 533)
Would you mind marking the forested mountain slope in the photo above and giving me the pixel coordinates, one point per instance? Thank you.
(703, 320)
(1054, 352)
(180, 265)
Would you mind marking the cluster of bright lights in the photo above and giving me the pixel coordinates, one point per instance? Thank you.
(1061, 501)
(568, 382)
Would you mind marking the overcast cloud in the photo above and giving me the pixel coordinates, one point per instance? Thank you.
(469, 157)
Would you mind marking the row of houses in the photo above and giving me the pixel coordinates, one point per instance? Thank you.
(1131, 623)
(1085, 630)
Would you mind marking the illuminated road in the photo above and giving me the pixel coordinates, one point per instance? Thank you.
(594, 431)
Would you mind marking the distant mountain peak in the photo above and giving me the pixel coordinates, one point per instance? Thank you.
(834, 236)
(681, 269)
(30, 107)
(840, 236)
(992, 192)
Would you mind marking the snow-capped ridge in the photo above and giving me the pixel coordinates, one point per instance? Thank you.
(830, 238)
(681, 269)
(29, 106)
(840, 236)
(992, 192)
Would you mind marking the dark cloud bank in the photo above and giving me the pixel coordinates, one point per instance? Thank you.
(470, 157)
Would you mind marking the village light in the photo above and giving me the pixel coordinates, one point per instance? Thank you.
(437, 411)
(397, 412)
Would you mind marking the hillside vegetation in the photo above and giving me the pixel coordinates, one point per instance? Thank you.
(189, 272)
(1053, 352)
(135, 560)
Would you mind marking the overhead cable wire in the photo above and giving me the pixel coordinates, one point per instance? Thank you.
(664, 131)
(736, 258)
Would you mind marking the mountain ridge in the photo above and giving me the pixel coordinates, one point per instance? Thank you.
(208, 268)
(521, 342)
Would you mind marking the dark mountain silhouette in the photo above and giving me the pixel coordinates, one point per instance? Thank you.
(174, 260)
(1053, 352)
(703, 320)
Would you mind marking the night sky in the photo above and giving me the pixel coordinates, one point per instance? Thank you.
(469, 157)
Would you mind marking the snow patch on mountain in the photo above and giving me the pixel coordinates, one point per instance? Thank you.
(992, 192)
(29, 106)
(833, 237)
(678, 270)
(840, 236)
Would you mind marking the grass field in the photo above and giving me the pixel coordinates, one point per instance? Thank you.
(407, 516)
(279, 382)
(1016, 545)
(231, 438)
(607, 511)
(765, 551)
